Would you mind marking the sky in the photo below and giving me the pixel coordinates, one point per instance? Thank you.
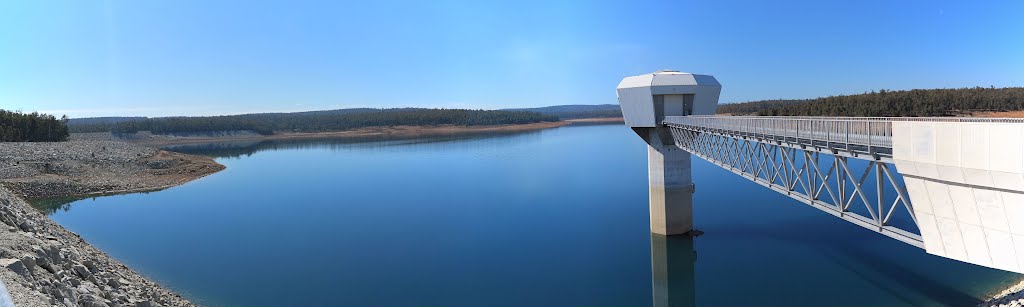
(163, 58)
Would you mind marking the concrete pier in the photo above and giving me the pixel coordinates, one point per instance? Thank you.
(671, 189)
(646, 100)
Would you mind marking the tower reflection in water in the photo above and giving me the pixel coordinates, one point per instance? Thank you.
(673, 259)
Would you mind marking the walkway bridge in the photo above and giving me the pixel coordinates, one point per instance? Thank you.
(952, 186)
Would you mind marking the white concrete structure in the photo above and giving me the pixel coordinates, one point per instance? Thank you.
(966, 182)
(963, 177)
(671, 188)
(645, 101)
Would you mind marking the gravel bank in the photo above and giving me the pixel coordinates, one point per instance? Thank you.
(157, 140)
(78, 168)
(47, 265)
(1014, 296)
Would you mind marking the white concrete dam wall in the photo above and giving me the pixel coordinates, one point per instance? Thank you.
(966, 184)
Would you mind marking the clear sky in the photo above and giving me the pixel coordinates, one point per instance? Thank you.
(159, 58)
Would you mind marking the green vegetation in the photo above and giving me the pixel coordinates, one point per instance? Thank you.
(31, 127)
(319, 121)
(752, 107)
(578, 111)
(912, 103)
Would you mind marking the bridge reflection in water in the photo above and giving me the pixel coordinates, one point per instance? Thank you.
(673, 275)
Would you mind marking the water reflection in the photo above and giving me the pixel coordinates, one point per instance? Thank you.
(50, 206)
(673, 260)
(238, 149)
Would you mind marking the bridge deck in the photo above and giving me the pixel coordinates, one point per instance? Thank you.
(782, 153)
(858, 136)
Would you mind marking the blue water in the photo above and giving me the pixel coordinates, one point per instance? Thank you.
(556, 217)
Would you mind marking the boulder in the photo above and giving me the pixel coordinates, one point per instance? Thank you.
(29, 261)
(81, 270)
(26, 226)
(15, 265)
(89, 264)
(146, 304)
(46, 265)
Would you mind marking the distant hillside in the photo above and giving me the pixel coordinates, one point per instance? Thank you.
(101, 120)
(577, 111)
(934, 102)
(316, 121)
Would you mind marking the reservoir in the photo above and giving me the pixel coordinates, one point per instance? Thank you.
(551, 217)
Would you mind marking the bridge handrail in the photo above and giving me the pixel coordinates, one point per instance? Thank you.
(870, 132)
(858, 118)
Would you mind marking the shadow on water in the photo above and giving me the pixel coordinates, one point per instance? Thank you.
(883, 272)
(673, 263)
(899, 280)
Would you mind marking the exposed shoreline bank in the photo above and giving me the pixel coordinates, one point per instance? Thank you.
(48, 265)
(393, 131)
(1012, 296)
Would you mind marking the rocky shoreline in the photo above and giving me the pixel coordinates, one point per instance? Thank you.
(1012, 297)
(47, 265)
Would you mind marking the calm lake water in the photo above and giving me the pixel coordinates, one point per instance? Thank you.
(555, 217)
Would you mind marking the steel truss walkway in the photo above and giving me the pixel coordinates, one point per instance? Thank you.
(784, 154)
(952, 186)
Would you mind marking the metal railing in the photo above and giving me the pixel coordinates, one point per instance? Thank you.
(868, 134)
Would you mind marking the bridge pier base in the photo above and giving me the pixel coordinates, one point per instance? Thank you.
(671, 188)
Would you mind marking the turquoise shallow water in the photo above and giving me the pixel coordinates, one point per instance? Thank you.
(555, 217)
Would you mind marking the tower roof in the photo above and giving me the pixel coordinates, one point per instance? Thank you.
(668, 78)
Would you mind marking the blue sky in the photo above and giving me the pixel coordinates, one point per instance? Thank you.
(159, 58)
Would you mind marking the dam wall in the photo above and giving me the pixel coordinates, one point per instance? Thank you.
(966, 183)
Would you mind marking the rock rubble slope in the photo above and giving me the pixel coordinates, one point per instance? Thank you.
(44, 264)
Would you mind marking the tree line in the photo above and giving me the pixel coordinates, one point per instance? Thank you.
(32, 127)
(578, 111)
(752, 107)
(320, 121)
(912, 103)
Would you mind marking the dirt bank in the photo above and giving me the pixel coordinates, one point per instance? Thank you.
(79, 168)
(610, 120)
(154, 140)
(47, 265)
(1006, 114)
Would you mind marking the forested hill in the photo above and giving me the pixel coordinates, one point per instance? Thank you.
(101, 120)
(752, 107)
(31, 127)
(935, 102)
(578, 111)
(317, 121)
